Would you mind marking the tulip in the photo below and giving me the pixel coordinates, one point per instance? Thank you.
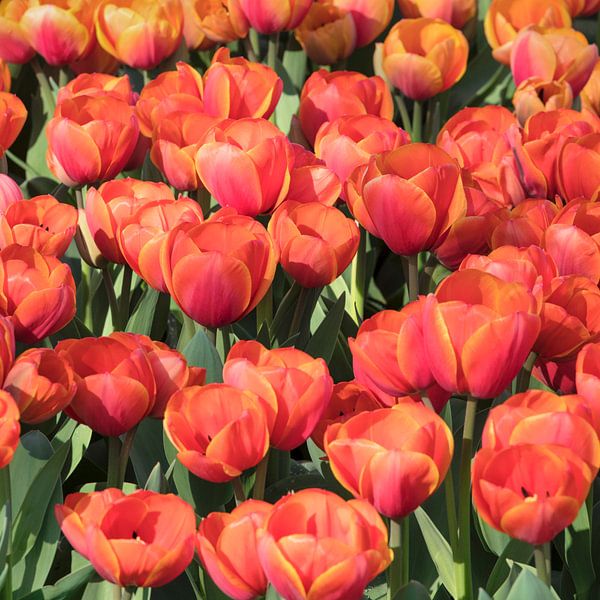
(106, 371)
(530, 492)
(227, 547)
(587, 378)
(590, 94)
(273, 16)
(553, 55)
(311, 180)
(140, 33)
(371, 17)
(208, 21)
(12, 118)
(218, 430)
(349, 142)
(142, 235)
(38, 292)
(43, 223)
(9, 428)
(42, 384)
(260, 156)
(10, 192)
(113, 205)
(7, 347)
(316, 242)
(233, 258)
(579, 155)
(327, 96)
(534, 95)
(144, 539)
(582, 7)
(237, 88)
(316, 545)
(14, 45)
(90, 139)
(393, 457)
(4, 77)
(424, 57)
(570, 317)
(168, 85)
(456, 12)
(408, 197)
(98, 84)
(327, 34)
(505, 18)
(62, 32)
(558, 375)
(476, 321)
(293, 387)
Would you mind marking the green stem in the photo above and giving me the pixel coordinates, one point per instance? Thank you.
(273, 50)
(203, 199)
(127, 594)
(114, 462)
(5, 496)
(395, 570)
(124, 455)
(3, 165)
(188, 331)
(405, 528)
(464, 582)
(48, 98)
(417, 123)
(264, 310)
(540, 564)
(238, 491)
(299, 311)
(451, 510)
(358, 282)
(86, 282)
(413, 277)
(112, 298)
(211, 334)
(261, 478)
(226, 335)
(524, 376)
(125, 296)
(406, 125)
(22, 164)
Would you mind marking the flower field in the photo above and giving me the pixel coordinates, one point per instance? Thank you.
(299, 299)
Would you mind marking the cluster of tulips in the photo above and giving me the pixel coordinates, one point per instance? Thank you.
(250, 282)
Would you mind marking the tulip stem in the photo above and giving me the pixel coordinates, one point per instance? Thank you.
(273, 50)
(188, 331)
(20, 163)
(6, 500)
(264, 310)
(398, 571)
(524, 376)
(125, 296)
(403, 112)
(3, 165)
(112, 298)
(540, 564)
(260, 478)
(417, 124)
(126, 594)
(413, 277)
(48, 99)
(358, 282)
(238, 491)
(124, 455)
(114, 461)
(451, 510)
(464, 583)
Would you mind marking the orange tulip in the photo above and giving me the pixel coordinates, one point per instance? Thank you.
(371, 17)
(272, 16)
(393, 457)
(4, 77)
(144, 539)
(590, 94)
(260, 156)
(424, 57)
(505, 18)
(113, 205)
(227, 547)
(316, 242)
(582, 7)
(43, 223)
(14, 45)
(10, 192)
(106, 371)
(530, 492)
(38, 292)
(580, 155)
(534, 95)
(327, 96)
(9, 428)
(456, 12)
(237, 88)
(7, 347)
(474, 322)
(97, 84)
(587, 378)
(293, 387)
(208, 21)
(12, 118)
(61, 31)
(90, 139)
(349, 142)
(234, 260)
(327, 34)
(142, 235)
(140, 33)
(42, 384)
(218, 430)
(409, 197)
(316, 545)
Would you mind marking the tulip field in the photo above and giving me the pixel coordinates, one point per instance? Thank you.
(299, 299)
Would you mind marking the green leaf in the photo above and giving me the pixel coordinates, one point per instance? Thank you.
(322, 343)
(412, 591)
(3, 533)
(156, 481)
(201, 352)
(529, 587)
(143, 315)
(483, 595)
(148, 450)
(501, 544)
(67, 588)
(438, 548)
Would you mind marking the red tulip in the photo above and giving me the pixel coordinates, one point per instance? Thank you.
(5, 77)
(12, 118)
(9, 428)
(272, 16)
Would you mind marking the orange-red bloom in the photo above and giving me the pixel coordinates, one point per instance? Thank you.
(140, 33)
(12, 118)
(226, 545)
(271, 16)
(90, 138)
(294, 388)
(42, 384)
(14, 45)
(208, 21)
(327, 96)
(144, 539)
(9, 428)
(316, 242)
(7, 346)
(580, 155)
(4, 77)
(107, 370)
(260, 156)
(424, 57)
(37, 292)
(590, 94)
(535, 95)
(456, 12)
(316, 545)
(371, 17)
(587, 377)
(218, 430)
(98, 84)
(393, 457)
(233, 259)
(409, 197)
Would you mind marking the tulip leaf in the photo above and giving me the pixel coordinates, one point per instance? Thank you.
(67, 588)
(201, 352)
(148, 450)
(528, 586)
(483, 595)
(501, 544)
(322, 343)
(143, 315)
(438, 548)
(156, 481)
(3, 533)
(412, 591)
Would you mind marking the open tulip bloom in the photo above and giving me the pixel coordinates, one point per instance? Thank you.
(299, 299)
